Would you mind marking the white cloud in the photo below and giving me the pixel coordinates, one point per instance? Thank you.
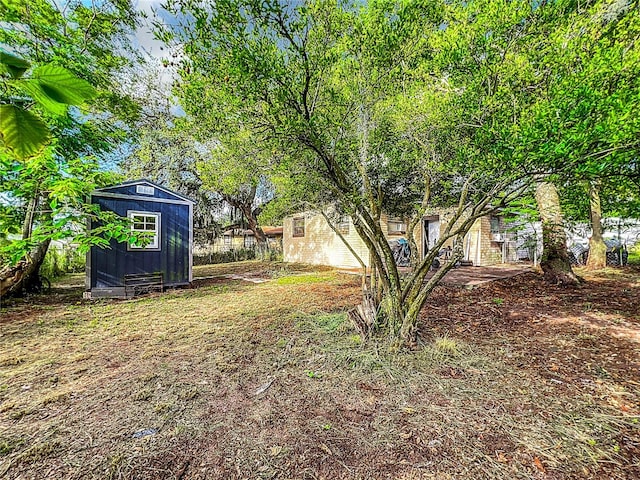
(144, 37)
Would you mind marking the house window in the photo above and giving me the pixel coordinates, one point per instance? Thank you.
(149, 224)
(495, 224)
(249, 241)
(298, 227)
(497, 234)
(227, 239)
(343, 225)
(396, 226)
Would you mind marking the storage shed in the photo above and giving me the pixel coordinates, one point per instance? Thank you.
(166, 261)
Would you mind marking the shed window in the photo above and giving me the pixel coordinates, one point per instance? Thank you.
(298, 227)
(249, 241)
(149, 224)
(227, 239)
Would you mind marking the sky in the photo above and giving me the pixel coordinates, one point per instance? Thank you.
(144, 36)
(144, 40)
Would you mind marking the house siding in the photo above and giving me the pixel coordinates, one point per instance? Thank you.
(321, 246)
(491, 252)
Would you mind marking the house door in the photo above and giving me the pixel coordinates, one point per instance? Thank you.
(430, 233)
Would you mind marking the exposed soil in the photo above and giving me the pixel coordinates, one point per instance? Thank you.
(599, 322)
(514, 379)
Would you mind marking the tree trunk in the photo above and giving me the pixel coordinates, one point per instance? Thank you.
(252, 224)
(597, 249)
(27, 225)
(251, 216)
(555, 261)
(24, 277)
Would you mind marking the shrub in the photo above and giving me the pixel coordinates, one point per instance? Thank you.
(60, 261)
(238, 255)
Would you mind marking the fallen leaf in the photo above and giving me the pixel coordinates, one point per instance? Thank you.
(326, 449)
(263, 388)
(275, 450)
(538, 464)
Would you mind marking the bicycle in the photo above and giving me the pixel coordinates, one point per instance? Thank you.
(402, 253)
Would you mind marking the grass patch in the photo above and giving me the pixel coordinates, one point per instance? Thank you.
(302, 279)
(634, 254)
(41, 451)
(8, 445)
(332, 322)
(446, 345)
(269, 380)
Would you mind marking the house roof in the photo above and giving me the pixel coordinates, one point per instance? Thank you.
(144, 181)
(272, 230)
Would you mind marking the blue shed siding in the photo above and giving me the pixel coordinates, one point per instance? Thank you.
(109, 266)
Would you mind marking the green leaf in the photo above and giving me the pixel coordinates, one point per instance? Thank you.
(22, 132)
(42, 98)
(16, 66)
(62, 86)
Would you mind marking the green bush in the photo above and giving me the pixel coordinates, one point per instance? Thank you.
(238, 255)
(59, 262)
(634, 254)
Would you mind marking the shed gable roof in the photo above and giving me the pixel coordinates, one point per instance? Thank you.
(145, 182)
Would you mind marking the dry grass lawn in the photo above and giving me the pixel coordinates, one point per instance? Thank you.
(235, 379)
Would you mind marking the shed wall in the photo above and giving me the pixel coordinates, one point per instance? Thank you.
(109, 266)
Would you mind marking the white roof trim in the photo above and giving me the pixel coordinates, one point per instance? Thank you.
(146, 182)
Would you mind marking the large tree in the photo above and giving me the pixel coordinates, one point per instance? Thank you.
(230, 181)
(583, 125)
(44, 190)
(377, 103)
(239, 171)
(163, 151)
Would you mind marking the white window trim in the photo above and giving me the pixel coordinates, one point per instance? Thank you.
(249, 241)
(343, 225)
(153, 246)
(293, 229)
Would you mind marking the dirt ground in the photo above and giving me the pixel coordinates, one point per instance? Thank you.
(514, 379)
